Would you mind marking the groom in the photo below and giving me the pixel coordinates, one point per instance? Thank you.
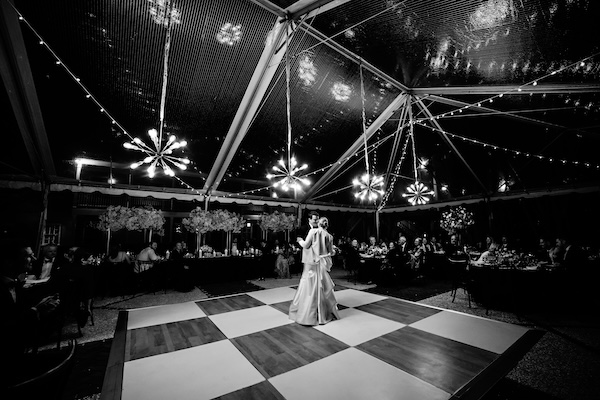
(308, 256)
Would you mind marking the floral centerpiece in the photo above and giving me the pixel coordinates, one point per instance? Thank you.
(456, 219)
(377, 250)
(206, 249)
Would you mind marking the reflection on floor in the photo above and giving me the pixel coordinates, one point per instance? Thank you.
(244, 346)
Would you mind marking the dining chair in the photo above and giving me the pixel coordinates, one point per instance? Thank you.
(459, 272)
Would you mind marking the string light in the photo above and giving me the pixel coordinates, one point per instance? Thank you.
(369, 186)
(417, 193)
(515, 152)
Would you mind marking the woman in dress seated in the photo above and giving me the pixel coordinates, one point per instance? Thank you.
(487, 257)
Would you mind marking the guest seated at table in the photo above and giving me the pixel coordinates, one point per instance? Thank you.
(403, 246)
(573, 258)
(487, 257)
(42, 268)
(117, 255)
(542, 252)
(116, 272)
(436, 246)
(504, 244)
(180, 270)
(489, 241)
(177, 253)
(372, 242)
(25, 260)
(353, 257)
(363, 247)
(454, 250)
(48, 275)
(146, 258)
(557, 252)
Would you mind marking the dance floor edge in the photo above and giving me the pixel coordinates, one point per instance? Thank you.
(398, 338)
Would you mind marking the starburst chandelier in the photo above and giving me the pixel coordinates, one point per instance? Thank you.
(417, 193)
(159, 154)
(369, 186)
(288, 179)
(287, 173)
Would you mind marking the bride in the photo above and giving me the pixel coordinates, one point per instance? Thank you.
(314, 302)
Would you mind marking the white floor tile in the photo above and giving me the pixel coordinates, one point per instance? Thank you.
(272, 296)
(484, 333)
(201, 372)
(351, 374)
(356, 327)
(142, 317)
(356, 298)
(249, 320)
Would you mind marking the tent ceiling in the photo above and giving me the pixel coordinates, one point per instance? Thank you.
(444, 55)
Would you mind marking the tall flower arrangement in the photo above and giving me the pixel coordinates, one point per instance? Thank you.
(277, 222)
(150, 219)
(199, 222)
(456, 219)
(114, 219)
(231, 223)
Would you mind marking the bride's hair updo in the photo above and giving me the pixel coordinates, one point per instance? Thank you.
(323, 223)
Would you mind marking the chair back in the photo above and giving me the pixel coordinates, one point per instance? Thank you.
(49, 384)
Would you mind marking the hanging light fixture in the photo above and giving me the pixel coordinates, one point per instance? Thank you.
(159, 155)
(417, 193)
(287, 174)
(369, 186)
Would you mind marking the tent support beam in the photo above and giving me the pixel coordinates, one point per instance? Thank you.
(20, 87)
(344, 158)
(256, 90)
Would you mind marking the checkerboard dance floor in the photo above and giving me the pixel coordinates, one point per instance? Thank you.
(244, 347)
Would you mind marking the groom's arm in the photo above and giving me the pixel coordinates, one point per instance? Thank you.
(308, 242)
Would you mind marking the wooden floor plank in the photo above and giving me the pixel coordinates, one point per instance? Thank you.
(399, 311)
(260, 391)
(279, 350)
(444, 363)
(159, 339)
(227, 304)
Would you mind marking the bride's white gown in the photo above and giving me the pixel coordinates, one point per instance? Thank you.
(314, 302)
